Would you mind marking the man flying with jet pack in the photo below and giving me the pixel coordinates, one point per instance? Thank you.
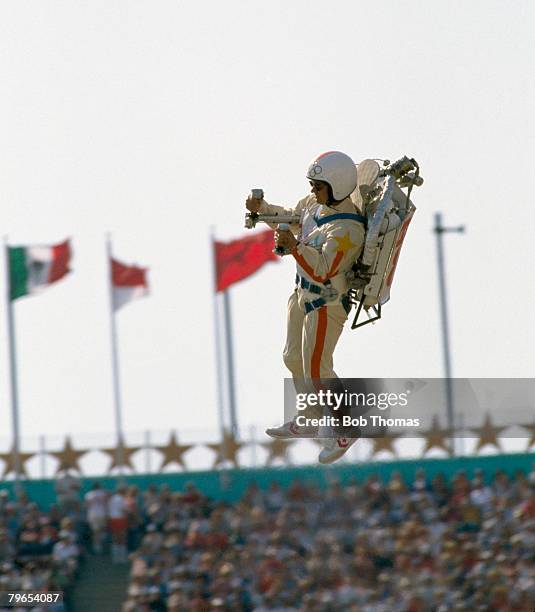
(346, 251)
(325, 235)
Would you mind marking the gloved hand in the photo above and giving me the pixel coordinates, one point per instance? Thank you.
(253, 204)
(285, 239)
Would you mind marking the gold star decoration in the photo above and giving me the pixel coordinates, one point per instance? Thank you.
(121, 455)
(488, 434)
(68, 457)
(9, 462)
(277, 449)
(226, 450)
(531, 429)
(437, 437)
(172, 453)
(344, 243)
(385, 443)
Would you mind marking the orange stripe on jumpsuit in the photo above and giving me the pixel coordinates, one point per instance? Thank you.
(312, 337)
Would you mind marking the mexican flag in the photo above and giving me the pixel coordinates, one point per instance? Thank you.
(128, 282)
(33, 268)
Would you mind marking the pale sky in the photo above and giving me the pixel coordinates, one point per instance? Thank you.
(153, 120)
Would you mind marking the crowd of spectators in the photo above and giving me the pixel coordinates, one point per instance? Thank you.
(43, 550)
(40, 551)
(423, 546)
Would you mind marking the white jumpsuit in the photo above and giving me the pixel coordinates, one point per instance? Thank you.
(330, 239)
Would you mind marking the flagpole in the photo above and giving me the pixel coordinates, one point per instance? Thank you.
(224, 478)
(439, 229)
(219, 370)
(230, 363)
(13, 373)
(218, 360)
(115, 364)
(242, 268)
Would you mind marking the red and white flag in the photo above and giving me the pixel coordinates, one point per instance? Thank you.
(128, 282)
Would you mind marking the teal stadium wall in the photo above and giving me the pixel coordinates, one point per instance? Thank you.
(230, 484)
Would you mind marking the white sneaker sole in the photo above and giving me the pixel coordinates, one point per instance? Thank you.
(328, 455)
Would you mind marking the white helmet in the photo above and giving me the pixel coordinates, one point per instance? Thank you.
(337, 170)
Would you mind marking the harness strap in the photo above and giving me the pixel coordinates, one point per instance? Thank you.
(353, 216)
(346, 303)
(314, 305)
(305, 284)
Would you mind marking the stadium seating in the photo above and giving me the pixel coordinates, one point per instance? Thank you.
(371, 547)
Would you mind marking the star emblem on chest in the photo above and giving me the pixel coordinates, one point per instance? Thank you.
(344, 243)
